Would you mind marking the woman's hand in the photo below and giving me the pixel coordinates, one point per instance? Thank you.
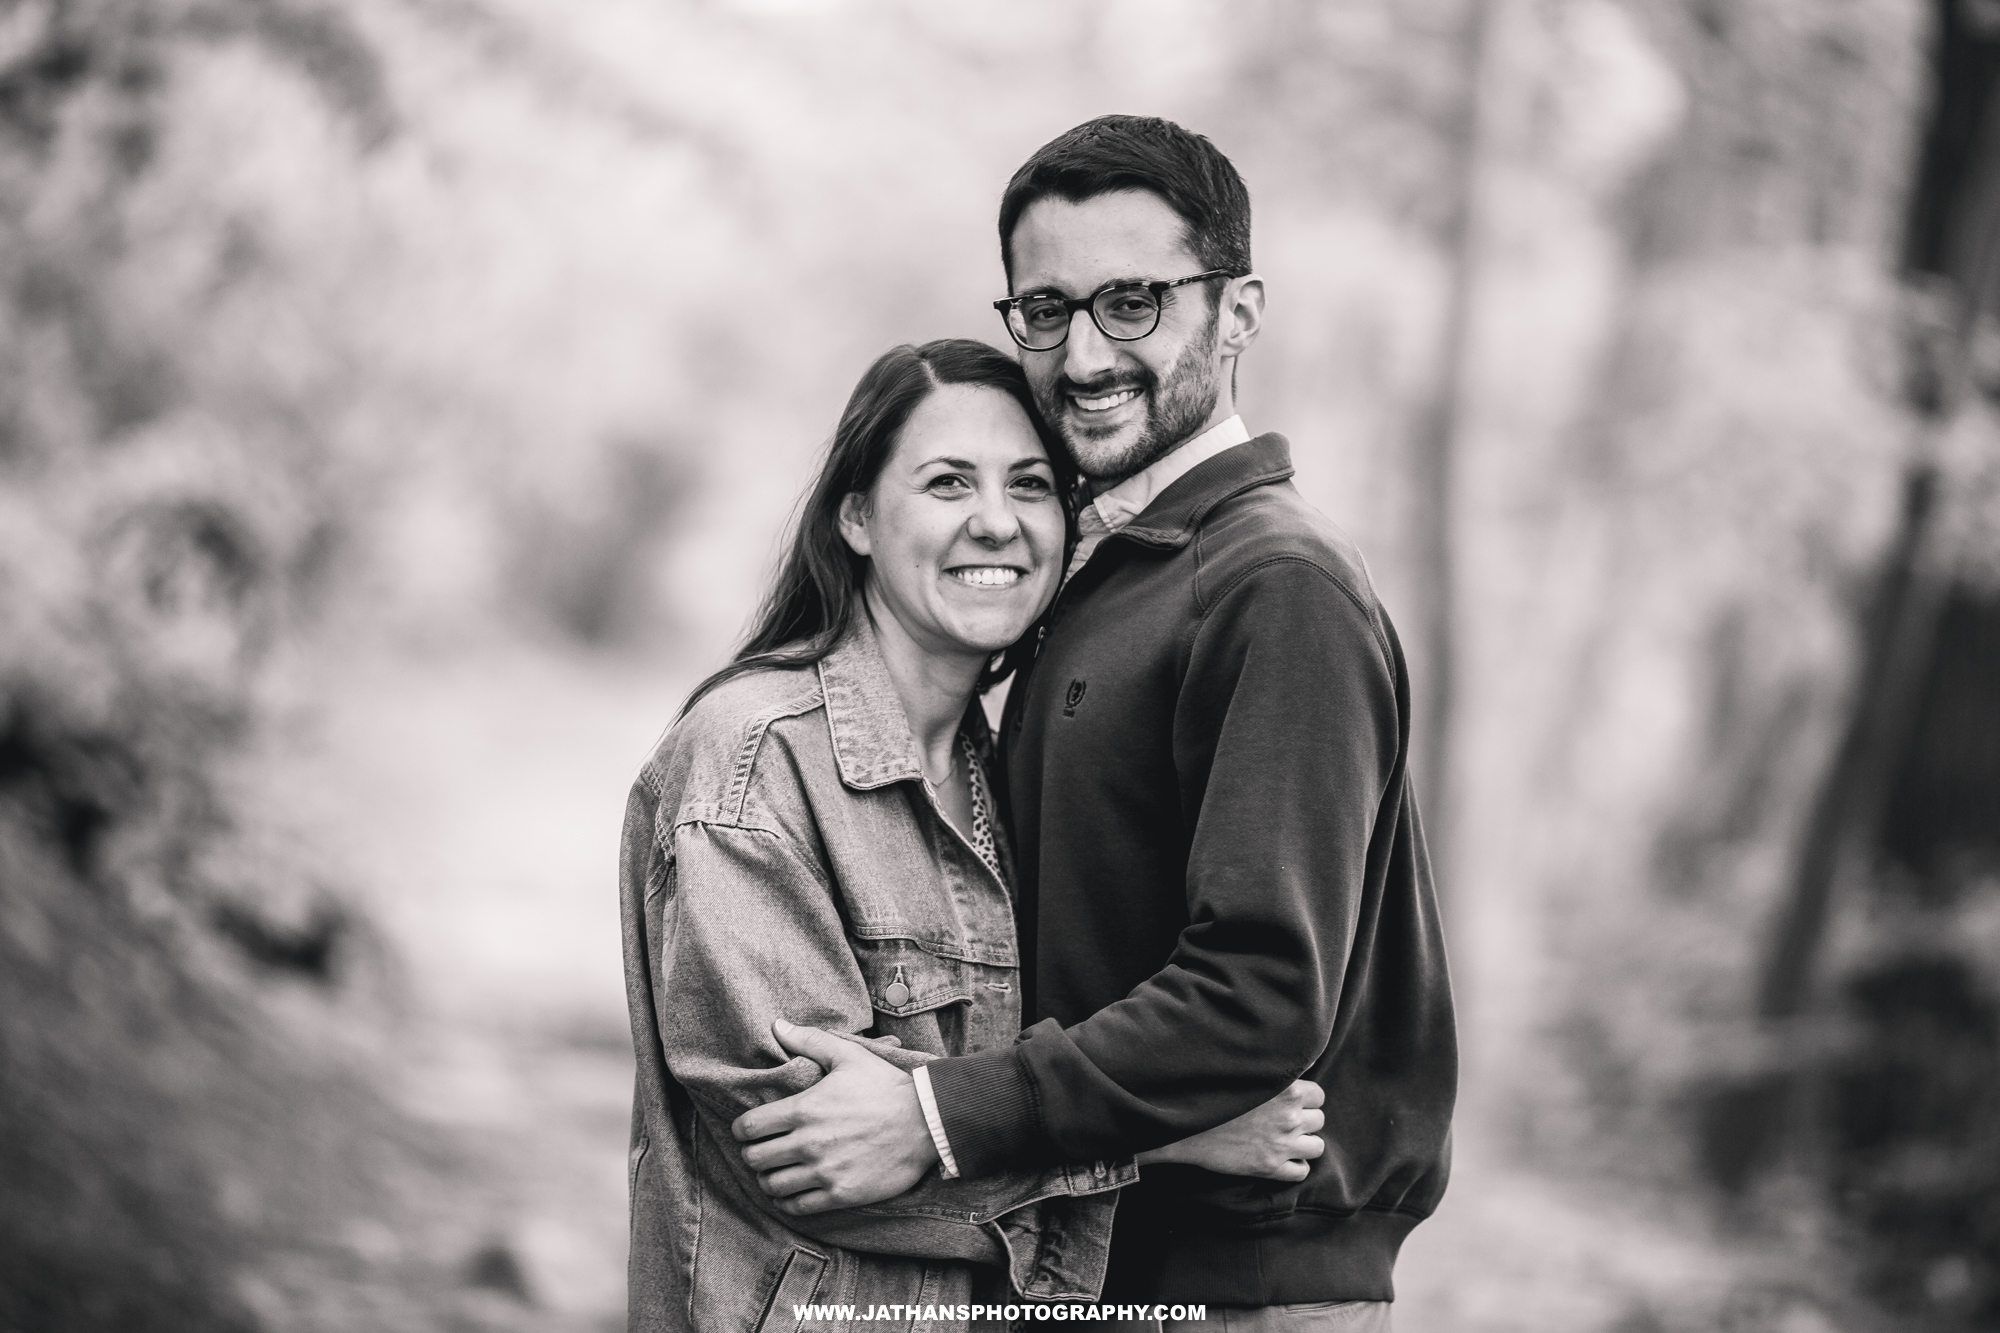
(1277, 1141)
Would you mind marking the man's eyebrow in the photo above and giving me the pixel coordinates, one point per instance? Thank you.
(1050, 289)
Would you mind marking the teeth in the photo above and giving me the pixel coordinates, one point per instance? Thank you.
(986, 576)
(1108, 401)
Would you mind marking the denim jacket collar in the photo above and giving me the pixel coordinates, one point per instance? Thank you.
(871, 733)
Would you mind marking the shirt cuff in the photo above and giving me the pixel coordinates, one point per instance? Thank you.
(947, 1164)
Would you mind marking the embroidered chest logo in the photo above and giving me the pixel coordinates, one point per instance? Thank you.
(1074, 697)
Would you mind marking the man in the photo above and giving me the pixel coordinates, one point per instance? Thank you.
(1223, 877)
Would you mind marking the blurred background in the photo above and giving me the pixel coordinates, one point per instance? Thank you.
(400, 403)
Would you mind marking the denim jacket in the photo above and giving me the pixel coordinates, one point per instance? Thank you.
(783, 857)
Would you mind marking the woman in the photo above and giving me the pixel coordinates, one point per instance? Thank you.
(815, 840)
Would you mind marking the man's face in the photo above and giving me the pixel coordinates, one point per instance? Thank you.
(1118, 405)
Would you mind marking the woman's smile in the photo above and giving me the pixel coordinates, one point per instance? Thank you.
(963, 530)
(987, 576)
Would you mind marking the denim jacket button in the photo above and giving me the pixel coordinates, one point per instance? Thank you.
(897, 994)
(1098, 1169)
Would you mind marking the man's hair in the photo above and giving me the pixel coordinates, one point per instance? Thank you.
(1187, 172)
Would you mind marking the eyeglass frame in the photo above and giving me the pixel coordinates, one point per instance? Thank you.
(1072, 304)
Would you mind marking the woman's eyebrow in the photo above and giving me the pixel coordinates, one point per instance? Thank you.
(968, 465)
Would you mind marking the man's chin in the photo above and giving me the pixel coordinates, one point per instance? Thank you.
(1112, 455)
(1090, 441)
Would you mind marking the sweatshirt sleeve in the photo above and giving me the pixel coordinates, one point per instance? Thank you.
(1287, 733)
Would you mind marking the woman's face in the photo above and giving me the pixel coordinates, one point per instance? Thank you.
(963, 529)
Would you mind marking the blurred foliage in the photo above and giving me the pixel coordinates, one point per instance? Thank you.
(183, 1146)
(403, 340)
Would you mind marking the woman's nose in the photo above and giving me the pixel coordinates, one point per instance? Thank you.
(993, 520)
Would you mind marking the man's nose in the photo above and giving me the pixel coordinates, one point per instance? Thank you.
(1087, 353)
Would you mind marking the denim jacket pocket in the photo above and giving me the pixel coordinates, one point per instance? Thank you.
(904, 979)
(919, 998)
(938, 1005)
(798, 1283)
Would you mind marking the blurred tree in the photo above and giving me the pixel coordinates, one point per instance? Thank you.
(1435, 512)
(1881, 1120)
(1952, 237)
(166, 1145)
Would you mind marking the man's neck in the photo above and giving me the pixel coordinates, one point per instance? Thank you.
(1225, 408)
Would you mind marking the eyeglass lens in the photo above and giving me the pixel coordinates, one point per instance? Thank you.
(1122, 313)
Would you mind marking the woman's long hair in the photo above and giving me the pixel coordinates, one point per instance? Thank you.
(814, 597)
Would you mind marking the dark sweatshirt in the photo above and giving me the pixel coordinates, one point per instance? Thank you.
(1223, 887)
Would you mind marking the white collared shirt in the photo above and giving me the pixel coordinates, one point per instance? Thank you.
(1124, 502)
(1129, 498)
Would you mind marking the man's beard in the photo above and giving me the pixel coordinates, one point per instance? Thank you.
(1175, 410)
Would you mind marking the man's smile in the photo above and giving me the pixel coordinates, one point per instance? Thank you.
(1104, 402)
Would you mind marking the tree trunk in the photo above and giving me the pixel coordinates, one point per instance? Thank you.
(1434, 461)
(1950, 248)
(1848, 809)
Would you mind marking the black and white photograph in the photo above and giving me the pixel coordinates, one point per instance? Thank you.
(735, 666)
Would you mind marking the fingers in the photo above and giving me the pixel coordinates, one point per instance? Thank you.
(1308, 1093)
(804, 1205)
(761, 1122)
(770, 1154)
(1307, 1120)
(1296, 1167)
(790, 1181)
(1299, 1153)
(822, 1048)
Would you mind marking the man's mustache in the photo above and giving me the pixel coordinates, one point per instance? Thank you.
(1065, 387)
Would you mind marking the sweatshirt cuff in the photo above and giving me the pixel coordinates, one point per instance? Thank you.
(947, 1167)
(986, 1109)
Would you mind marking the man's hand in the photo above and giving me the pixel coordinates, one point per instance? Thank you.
(1277, 1141)
(857, 1136)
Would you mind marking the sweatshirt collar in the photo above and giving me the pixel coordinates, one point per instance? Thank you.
(1171, 519)
(1124, 502)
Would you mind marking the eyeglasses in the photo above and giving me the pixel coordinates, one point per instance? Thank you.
(1123, 312)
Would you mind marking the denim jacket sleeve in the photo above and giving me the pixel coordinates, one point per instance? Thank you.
(746, 929)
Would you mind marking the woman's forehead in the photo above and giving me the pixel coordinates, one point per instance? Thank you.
(976, 422)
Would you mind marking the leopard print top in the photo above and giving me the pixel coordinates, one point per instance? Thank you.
(982, 810)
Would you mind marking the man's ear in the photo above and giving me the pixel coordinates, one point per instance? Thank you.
(1241, 317)
(854, 522)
